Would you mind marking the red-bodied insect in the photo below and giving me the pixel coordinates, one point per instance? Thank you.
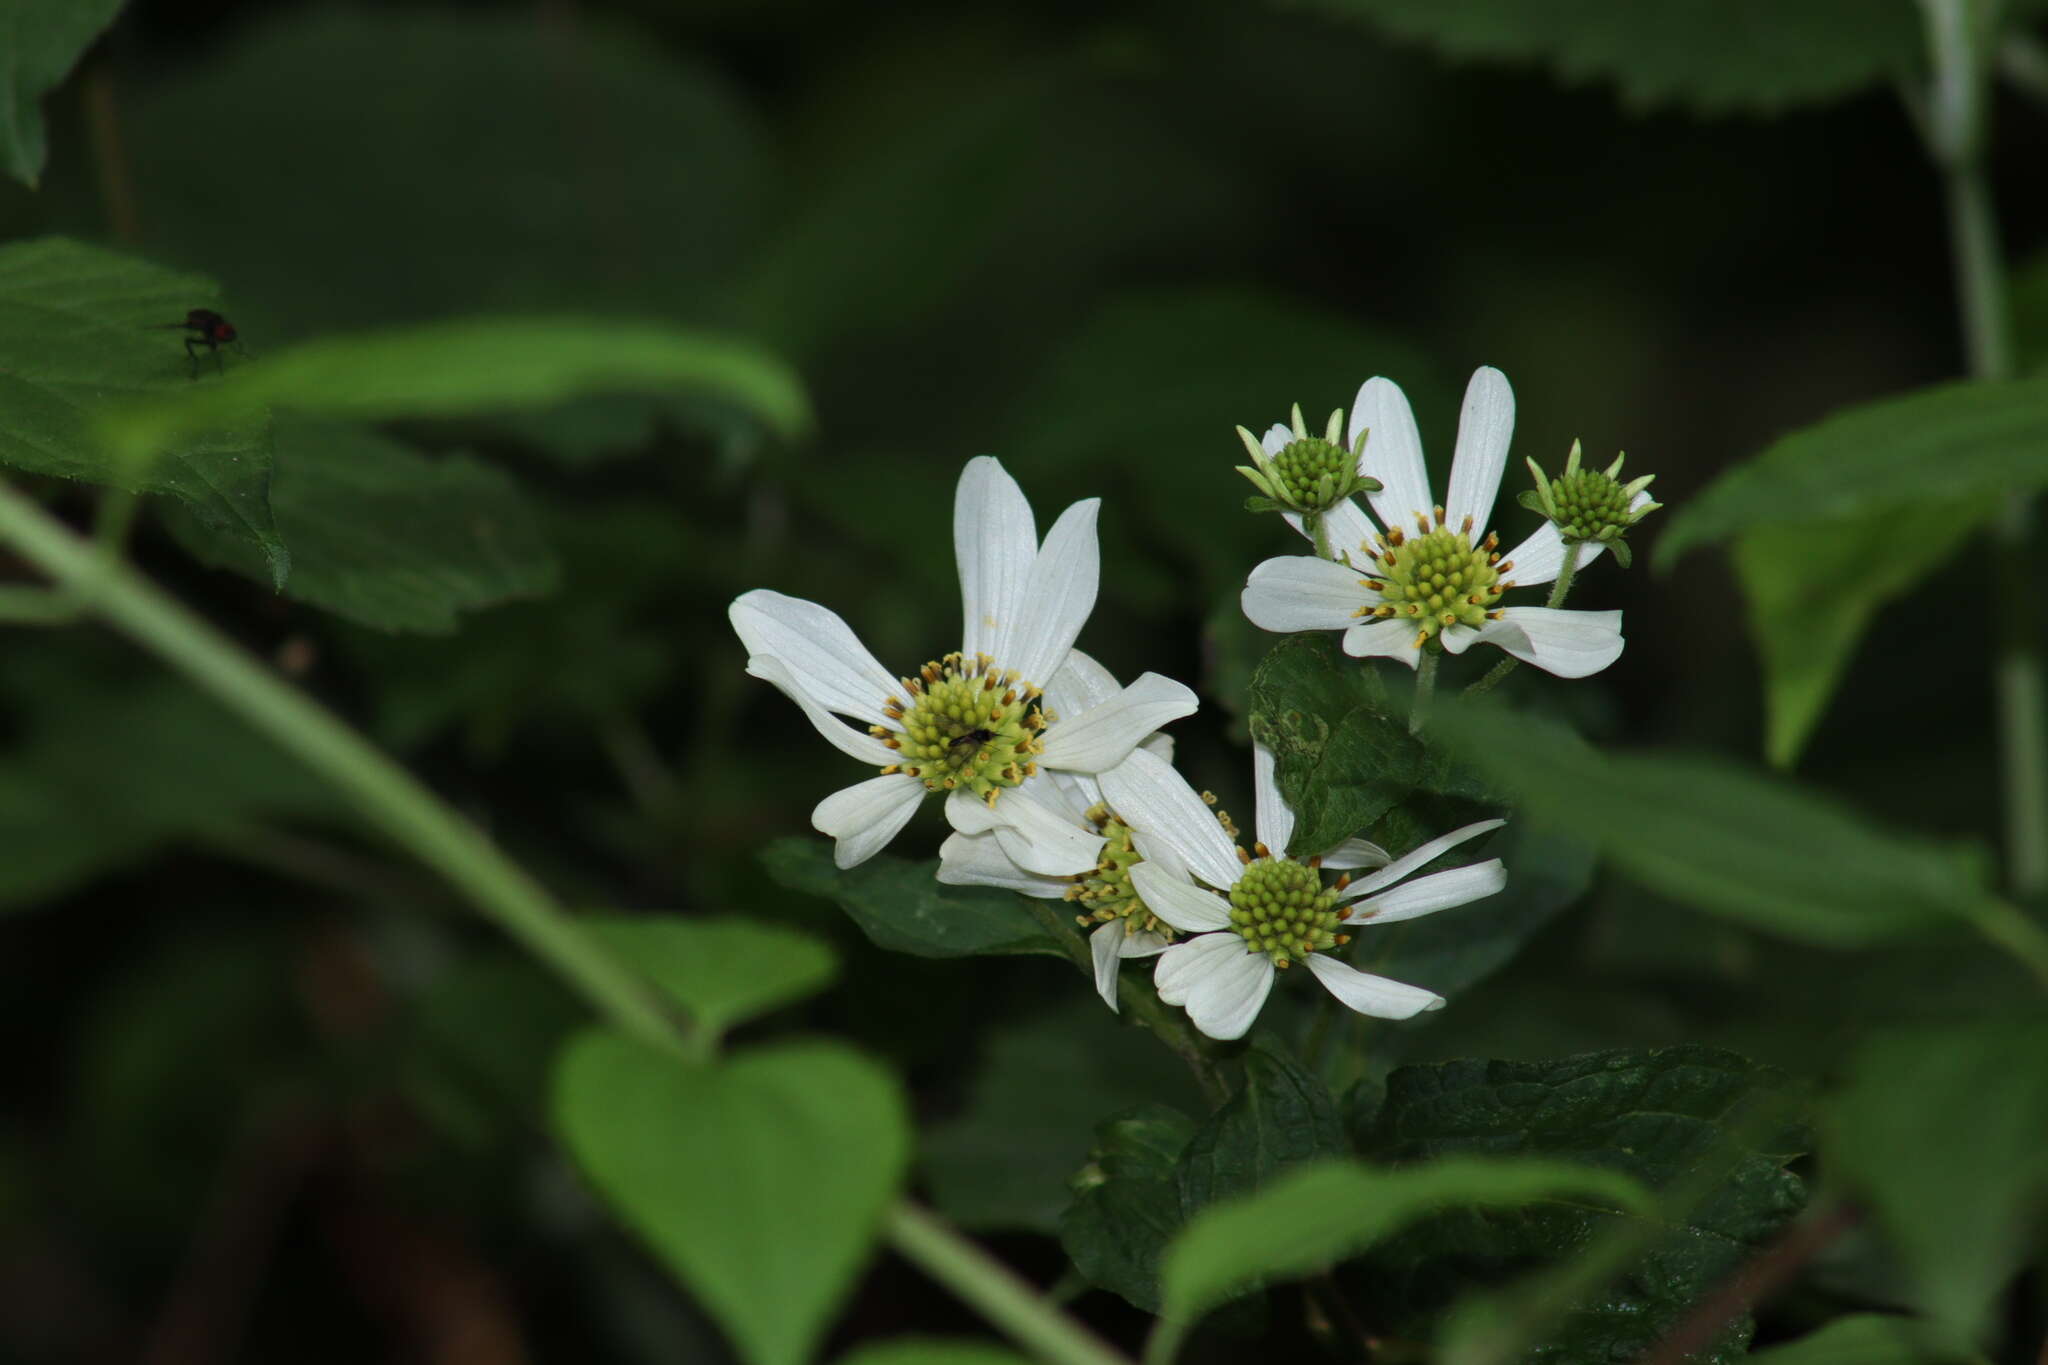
(208, 329)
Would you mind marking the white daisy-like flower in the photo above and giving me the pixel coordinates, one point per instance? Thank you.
(1435, 572)
(971, 725)
(1249, 914)
(1120, 926)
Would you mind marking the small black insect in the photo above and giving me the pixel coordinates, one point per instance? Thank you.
(208, 329)
(973, 738)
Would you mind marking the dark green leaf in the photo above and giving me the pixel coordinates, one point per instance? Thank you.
(1316, 1215)
(1702, 1127)
(1044, 1083)
(904, 907)
(483, 1036)
(82, 335)
(386, 536)
(2030, 314)
(1742, 844)
(1281, 1116)
(40, 41)
(1813, 588)
(1713, 56)
(1933, 448)
(1127, 1203)
(760, 1181)
(721, 971)
(1940, 1132)
(1867, 1339)
(931, 1351)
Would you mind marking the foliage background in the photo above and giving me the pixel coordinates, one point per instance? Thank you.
(271, 1092)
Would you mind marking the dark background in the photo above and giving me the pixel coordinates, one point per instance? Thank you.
(272, 1096)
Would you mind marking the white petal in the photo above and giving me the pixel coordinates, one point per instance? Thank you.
(1161, 808)
(1105, 945)
(867, 815)
(843, 737)
(1073, 793)
(1485, 429)
(1271, 817)
(979, 860)
(1039, 837)
(1160, 746)
(1355, 853)
(1143, 943)
(1104, 736)
(1058, 596)
(1374, 995)
(1302, 592)
(970, 814)
(1346, 527)
(1459, 638)
(1384, 640)
(1540, 558)
(1393, 452)
(995, 540)
(1427, 895)
(1419, 856)
(822, 653)
(1182, 904)
(1080, 684)
(1221, 985)
(1571, 644)
(1276, 438)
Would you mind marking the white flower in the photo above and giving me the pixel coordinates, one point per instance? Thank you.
(1444, 577)
(1122, 926)
(1250, 913)
(971, 724)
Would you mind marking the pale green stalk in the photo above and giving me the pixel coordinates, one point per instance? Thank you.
(1425, 688)
(1558, 589)
(415, 819)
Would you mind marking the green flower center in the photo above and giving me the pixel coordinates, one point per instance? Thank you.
(967, 725)
(1106, 893)
(1437, 578)
(1312, 471)
(1588, 503)
(1281, 908)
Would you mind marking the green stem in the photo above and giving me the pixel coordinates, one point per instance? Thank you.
(1558, 589)
(2012, 929)
(1425, 688)
(992, 1289)
(1956, 129)
(1320, 533)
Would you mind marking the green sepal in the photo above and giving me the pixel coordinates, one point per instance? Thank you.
(1257, 504)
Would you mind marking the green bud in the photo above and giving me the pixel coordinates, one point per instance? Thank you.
(1308, 475)
(1590, 505)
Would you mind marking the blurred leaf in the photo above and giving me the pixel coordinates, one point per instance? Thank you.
(1865, 1339)
(1899, 456)
(1711, 56)
(1126, 1206)
(721, 971)
(1044, 1083)
(398, 163)
(1280, 1117)
(759, 1181)
(483, 1035)
(1939, 1131)
(1742, 844)
(386, 536)
(930, 1351)
(2029, 291)
(40, 40)
(904, 907)
(1700, 1125)
(1317, 1215)
(478, 365)
(1813, 588)
(82, 334)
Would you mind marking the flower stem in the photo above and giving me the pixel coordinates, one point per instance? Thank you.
(1956, 128)
(418, 821)
(1562, 585)
(1425, 688)
(1318, 532)
(992, 1289)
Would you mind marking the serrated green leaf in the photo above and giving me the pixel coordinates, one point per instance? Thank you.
(1933, 448)
(475, 365)
(904, 907)
(1939, 1131)
(1753, 847)
(1281, 1116)
(931, 1351)
(760, 1181)
(1317, 1215)
(1711, 56)
(40, 41)
(83, 334)
(1867, 1339)
(1690, 1120)
(1044, 1083)
(386, 536)
(1127, 1205)
(721, 971)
